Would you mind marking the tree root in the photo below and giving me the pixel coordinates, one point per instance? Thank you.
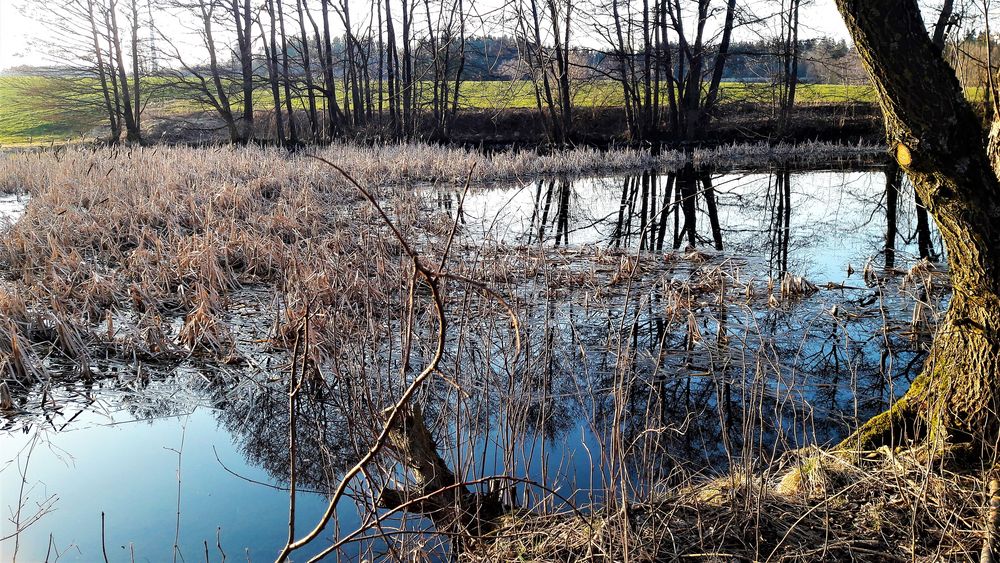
(899, 424)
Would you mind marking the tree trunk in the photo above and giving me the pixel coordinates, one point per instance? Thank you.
(271, 54)
(437, 493)
(136, 83)
(938, 141)
(293, 135)
(102, 72)
(222, 103)
(332, 107)
(307, 71)
(132, 134)
(244, 39)
(461, 65)
(943, 23)
(720, 61)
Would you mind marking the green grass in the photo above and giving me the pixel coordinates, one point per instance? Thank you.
(37, 110)
(30, 115)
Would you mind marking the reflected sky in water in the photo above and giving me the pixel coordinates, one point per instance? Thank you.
(835, 218)
(113, 447)
(90, 454)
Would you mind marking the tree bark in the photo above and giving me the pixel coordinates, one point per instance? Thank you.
(943, 23)
(938, 142)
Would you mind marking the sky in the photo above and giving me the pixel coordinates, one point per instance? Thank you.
(17, 31)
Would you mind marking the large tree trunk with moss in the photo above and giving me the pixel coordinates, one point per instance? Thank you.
(939, 142)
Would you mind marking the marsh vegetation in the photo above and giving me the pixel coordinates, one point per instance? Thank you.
(586, 354)
(326, 331)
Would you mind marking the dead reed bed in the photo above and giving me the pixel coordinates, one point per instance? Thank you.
(133, 240)
(816, 153)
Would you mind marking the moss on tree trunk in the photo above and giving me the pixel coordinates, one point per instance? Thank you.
(941, 146)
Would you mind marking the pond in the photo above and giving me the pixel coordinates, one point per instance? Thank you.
(814, 224)
(193, 463)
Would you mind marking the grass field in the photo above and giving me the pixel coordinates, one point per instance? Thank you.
(37, 110)
(29, 116)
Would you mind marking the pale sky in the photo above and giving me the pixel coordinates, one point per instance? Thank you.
(17, 31)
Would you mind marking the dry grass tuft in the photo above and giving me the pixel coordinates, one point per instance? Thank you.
(891, 506)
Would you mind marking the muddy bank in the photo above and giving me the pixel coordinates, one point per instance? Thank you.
(848, 123)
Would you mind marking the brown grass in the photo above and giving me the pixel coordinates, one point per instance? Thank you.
(811, 506)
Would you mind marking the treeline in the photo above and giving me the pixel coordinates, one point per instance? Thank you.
(397, 69)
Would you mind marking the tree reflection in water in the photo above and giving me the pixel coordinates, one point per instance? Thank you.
(623, 381)
(639, 366)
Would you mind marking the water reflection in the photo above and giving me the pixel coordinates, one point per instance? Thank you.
(780, 205)
(636, 367)
(811, 223)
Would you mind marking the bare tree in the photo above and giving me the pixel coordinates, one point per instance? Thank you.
(214, 89)
(273, 73)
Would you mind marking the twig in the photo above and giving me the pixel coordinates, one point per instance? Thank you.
(177, 525)
(396, 411)
(458, 216)
(218, 543)
(988, 554)
(104, 547)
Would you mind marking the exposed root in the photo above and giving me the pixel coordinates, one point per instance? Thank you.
(889, 428)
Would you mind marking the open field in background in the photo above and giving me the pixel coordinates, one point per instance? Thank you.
(39, 110)
(25, 119)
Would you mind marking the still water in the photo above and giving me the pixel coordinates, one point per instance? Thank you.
(89, 455)
(187, 463)
(11, 207)
(823, 220)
